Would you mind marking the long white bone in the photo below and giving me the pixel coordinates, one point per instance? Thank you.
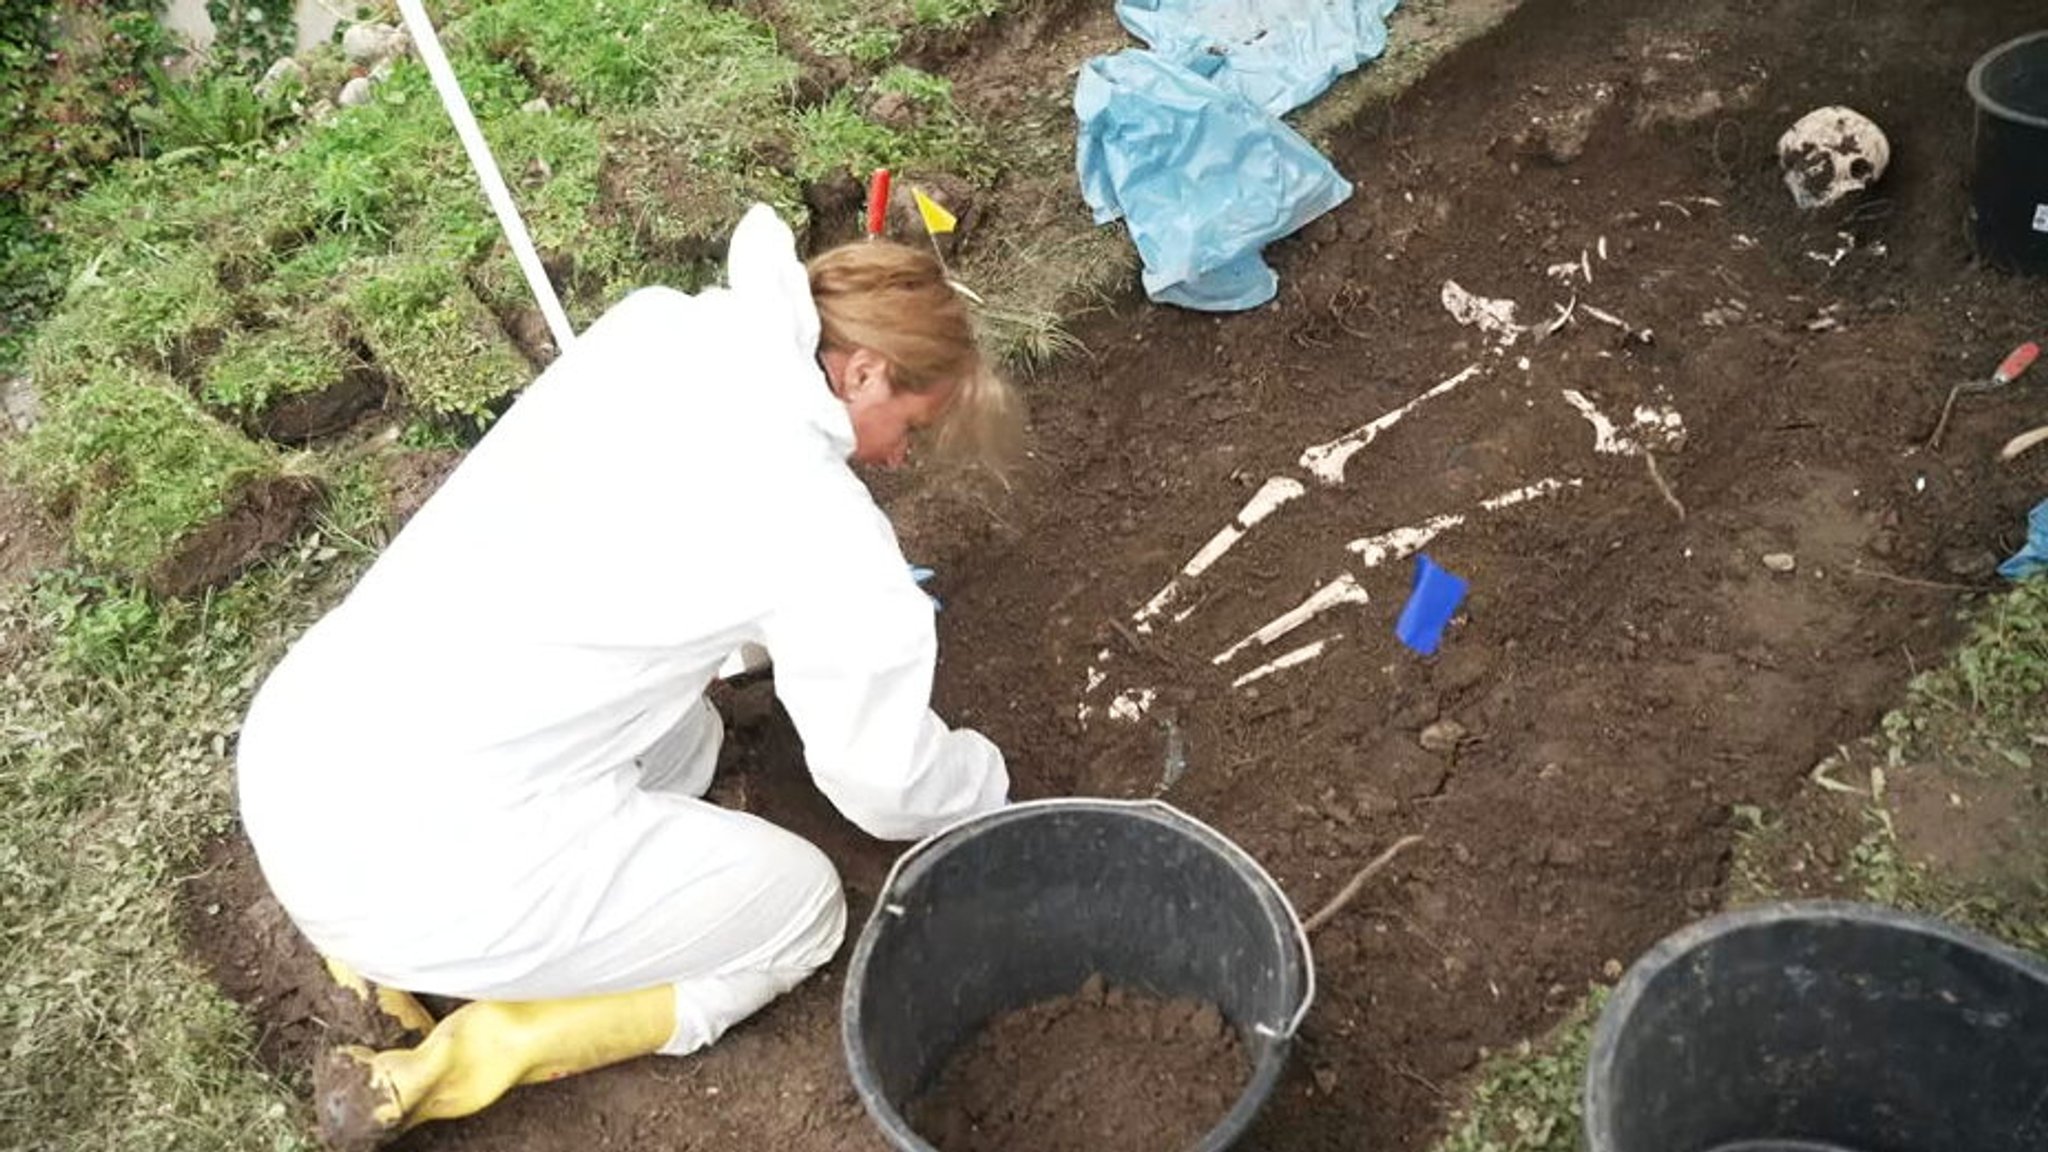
(1326, 461)
(1301, 655)
(1275, 492)
(1344, 589)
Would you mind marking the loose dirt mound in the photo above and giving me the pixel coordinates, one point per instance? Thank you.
(1103, 1068)
(1621, 676)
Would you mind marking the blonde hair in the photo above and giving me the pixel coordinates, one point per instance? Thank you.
(895, 300)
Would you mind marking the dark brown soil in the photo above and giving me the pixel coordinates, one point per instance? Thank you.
(1103, 1068)
(315, 415)
(28, 542)
(1624, 676)
(263, 515)
(255, 953)
(411, 477)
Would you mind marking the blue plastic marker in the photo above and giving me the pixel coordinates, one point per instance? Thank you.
(1431, 604)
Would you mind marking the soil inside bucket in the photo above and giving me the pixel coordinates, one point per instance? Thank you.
(1103, 1068)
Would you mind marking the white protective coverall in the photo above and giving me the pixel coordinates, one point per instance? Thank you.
(478, 776)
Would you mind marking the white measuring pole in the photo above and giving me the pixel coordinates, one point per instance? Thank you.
(450, 90)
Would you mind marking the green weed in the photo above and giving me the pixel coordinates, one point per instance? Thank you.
(863, 43)
(868, 32)
(1877, 870)
(835, 137)
(430, 436)
(923, 88)
(217, 114)
(356, 516)
(308, 276)
(2003, 667)
(953, 15)
(1025, 338)
(1529, 1100)
(70, 75)
(101, 628)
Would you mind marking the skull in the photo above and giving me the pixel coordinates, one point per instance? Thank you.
(1830, 153)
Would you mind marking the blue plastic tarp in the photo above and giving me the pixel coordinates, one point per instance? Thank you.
(1203, 179)
(1278, 54)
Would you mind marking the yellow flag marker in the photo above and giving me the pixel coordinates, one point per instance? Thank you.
(936, 218)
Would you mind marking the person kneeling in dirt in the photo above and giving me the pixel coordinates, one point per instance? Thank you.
(479, 776)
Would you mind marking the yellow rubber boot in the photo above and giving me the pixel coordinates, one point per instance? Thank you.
(395, 1003)
(479, 1052)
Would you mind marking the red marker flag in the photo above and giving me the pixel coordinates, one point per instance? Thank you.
(878, 202)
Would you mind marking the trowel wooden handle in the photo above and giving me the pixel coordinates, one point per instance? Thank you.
(2022, 442)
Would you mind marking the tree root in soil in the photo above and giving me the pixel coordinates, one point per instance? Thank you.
(1356, 884)
(1657, 478)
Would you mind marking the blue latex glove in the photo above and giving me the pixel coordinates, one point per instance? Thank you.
(921, 575)
(2033, 555)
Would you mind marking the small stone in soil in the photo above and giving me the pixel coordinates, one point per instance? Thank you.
(1780, 561)
(1443, 736)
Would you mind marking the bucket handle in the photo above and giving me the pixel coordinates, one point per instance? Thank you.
(886, 904)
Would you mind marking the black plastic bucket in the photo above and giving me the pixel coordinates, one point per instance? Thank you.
(2009, 181)
(1026, 903)
(1822, 1027)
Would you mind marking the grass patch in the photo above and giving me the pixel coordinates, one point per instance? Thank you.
(307, 277)
(625, 54)
(138, 466)
(258, 369)
(429, 332)
(116, 723)
(156, 307)
(837, 137)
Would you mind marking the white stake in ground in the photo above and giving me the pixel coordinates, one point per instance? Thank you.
(479, 150)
